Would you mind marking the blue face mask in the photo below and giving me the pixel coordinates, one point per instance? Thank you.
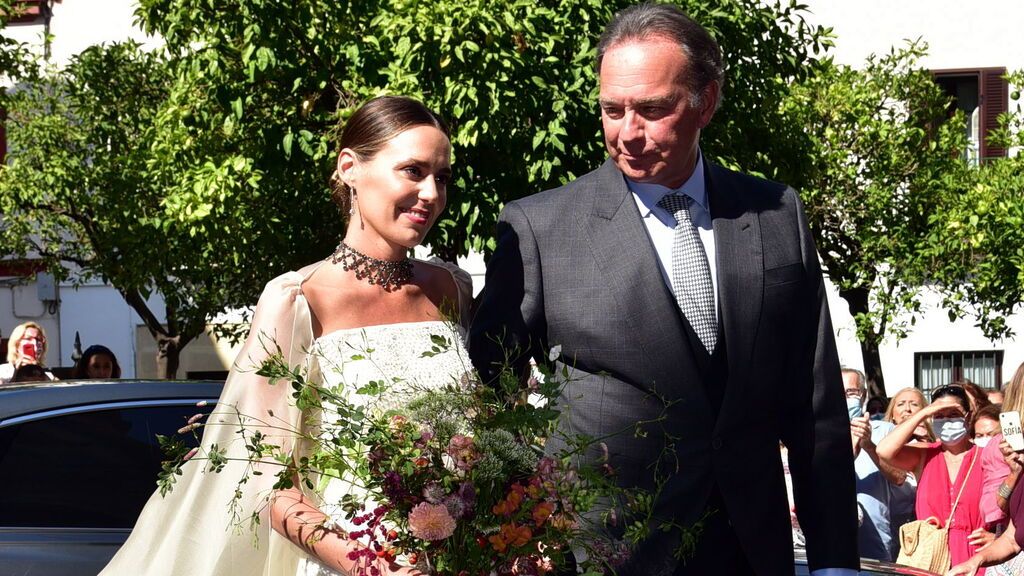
(855, 407)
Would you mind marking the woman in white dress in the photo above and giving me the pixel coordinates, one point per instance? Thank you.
(391, 181)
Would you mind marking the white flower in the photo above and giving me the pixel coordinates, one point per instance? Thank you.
(555, 352)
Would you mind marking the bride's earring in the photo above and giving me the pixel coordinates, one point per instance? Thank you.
(352, 201)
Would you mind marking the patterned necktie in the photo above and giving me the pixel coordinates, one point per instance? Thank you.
(691, 275)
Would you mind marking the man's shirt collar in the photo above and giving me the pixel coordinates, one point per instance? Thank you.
(650, 194)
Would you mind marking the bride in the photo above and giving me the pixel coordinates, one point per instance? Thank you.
(391, 177)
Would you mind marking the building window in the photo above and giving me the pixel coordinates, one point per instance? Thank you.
(982, 94)
(935, 369)
(29, 11)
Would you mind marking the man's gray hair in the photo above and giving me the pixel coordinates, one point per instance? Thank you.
(862, 380)
(647, 21)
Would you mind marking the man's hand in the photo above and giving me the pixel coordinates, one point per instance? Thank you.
(860, 433)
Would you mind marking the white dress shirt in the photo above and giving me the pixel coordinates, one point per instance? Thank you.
(661, 225)
(661, 230)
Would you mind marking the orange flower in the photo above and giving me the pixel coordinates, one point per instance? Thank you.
(510, 535)
(511, 502)
(497, 542)
(516, 535)
(541, 512)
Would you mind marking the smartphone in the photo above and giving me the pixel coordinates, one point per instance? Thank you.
(29, 350)
(1010, 422)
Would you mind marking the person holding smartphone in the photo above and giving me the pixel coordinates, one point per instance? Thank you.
(951, 475)
(875, 480)
(1001, 500)
(26, 346)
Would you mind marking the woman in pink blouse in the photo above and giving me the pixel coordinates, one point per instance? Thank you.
(951, 475)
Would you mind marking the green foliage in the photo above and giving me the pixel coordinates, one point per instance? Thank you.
(103, 181)
(979, 239)
(266, 80)
(880, 153)
(201, 172)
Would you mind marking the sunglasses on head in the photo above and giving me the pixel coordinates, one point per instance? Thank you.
(951, 390)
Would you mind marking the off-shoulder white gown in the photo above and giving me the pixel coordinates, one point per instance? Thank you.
(193, 531)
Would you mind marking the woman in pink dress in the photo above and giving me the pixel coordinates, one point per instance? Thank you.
(949, 470)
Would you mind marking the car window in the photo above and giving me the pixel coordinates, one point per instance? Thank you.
(90, 469)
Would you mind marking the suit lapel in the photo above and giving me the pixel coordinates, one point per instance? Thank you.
(630, 267)
(740, 270)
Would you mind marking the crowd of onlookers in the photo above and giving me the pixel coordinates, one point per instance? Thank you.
(943, 461)
(26, 359)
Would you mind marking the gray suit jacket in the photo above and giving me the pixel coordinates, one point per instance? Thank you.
(574, 267)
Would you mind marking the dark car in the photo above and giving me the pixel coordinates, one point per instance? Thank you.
(78, 461)
(867, 568)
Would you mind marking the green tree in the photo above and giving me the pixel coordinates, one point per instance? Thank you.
(978, 241)
(883, 160)
(201, 176)
(266, 80)
(85, 190)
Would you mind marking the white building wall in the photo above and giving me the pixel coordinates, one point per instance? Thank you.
(78, 24)
(99, 315)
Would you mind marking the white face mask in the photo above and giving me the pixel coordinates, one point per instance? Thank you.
(854, 407)
(982, 441)
(949, 430)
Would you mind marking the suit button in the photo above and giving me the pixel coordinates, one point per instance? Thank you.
(716, 443)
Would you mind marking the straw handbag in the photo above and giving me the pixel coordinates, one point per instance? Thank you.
(925, 543)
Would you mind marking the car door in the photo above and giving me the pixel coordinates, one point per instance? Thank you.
(73, 481)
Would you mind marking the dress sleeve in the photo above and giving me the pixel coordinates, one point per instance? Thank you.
(205, 526)
(996, 470)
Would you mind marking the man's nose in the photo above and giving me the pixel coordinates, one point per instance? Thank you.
(632, 127)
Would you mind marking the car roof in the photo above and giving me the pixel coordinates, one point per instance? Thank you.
(28, 398)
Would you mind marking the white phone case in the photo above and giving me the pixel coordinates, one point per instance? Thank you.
(1010, 422)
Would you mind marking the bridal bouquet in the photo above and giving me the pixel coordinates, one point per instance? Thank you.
(453, 480)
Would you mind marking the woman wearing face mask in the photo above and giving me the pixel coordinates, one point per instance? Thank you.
(1002, 497)
(1001, 472)
(948, 471)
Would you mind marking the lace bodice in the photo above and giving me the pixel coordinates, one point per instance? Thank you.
(407, 358)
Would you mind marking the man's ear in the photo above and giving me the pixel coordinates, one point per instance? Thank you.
(709, 102)
(348, 167)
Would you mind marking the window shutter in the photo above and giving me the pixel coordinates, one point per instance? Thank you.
(994, 101)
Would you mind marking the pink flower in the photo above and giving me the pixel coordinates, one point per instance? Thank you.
(462, 451)
(431, 522)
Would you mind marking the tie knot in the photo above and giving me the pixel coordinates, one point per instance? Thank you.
(677, 205)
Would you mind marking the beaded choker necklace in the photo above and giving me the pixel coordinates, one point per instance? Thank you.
(388, 274)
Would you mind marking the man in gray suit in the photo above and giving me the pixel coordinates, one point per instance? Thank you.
(681, 289)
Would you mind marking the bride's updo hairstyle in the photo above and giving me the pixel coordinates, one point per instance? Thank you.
(372, 126)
